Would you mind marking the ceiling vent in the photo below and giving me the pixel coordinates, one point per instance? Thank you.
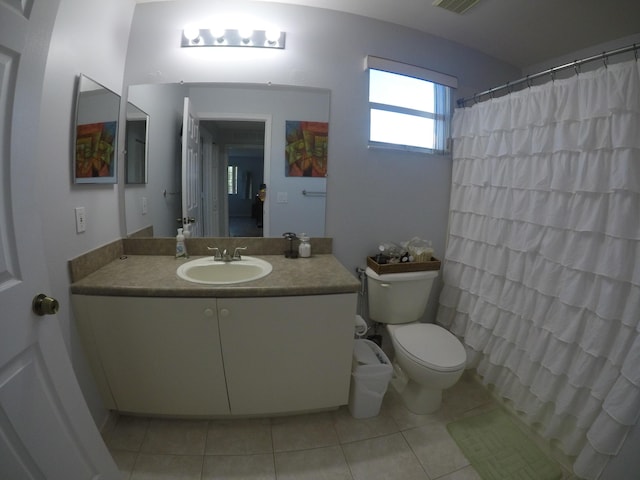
(457, 6)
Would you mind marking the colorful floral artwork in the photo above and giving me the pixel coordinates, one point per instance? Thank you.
(95, 152)
(306, 149)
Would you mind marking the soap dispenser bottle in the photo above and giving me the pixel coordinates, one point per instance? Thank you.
(304, 249)
(181, 248)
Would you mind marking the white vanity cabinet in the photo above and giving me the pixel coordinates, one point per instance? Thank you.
(287, 354)
(158, 356)
(213, 357)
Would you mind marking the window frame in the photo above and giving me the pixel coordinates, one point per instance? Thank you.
(443, 99)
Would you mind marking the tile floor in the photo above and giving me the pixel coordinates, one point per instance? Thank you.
(396, 444)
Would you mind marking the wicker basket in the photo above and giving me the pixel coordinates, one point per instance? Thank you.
(432, 264)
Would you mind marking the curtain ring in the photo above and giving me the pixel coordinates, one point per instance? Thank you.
(508, 87)
(528, 81)
(635, 51)
(553, 76)
(576, 67)
(604, 59)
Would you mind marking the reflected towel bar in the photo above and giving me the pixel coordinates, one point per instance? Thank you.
(307, 193)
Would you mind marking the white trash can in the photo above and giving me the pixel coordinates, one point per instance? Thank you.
(370, 376)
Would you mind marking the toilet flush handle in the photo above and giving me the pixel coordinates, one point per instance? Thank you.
(385, 285)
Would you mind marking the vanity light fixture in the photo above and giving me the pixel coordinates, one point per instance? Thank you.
(204, 37)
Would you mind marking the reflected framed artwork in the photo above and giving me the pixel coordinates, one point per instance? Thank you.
(95, 153)
(306, 149)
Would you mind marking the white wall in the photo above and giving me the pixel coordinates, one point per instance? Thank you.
(90, 37)
(586, 53)
(373, 195)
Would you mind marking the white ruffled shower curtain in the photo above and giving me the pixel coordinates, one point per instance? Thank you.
(542, 269)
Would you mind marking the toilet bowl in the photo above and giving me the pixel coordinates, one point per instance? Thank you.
(430, 356)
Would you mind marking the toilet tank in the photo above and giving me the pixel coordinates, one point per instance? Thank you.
(398, 297)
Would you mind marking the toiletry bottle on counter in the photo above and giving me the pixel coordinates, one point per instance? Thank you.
(304, 249)
(181, 249)
(428, 252)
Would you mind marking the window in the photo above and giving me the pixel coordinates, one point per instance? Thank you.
(409, 106)
(232, 179)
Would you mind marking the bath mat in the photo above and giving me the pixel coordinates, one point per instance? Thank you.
(498, 449)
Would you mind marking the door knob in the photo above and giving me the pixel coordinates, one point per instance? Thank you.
(45, 305)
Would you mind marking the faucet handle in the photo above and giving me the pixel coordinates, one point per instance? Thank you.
(216, 255)
(236, 253)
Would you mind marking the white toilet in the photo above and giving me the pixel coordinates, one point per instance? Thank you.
(430, 356)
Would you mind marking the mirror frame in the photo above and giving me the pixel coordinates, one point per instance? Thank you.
(99, 137)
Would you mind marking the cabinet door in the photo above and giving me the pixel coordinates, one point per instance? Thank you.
(160, 356)
(287, 354)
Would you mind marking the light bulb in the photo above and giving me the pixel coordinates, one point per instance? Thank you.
(245, 34)
(192, 33)
(218, 34)
(272, 36)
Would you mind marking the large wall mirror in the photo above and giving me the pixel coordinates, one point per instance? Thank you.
(96, 133)
(137, 125)
(241, 148)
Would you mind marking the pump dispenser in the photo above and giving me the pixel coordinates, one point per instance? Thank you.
(181, 248)
(304, 249)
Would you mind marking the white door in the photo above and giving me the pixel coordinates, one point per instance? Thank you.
(46, 430)
(191, 170)
(210, 214)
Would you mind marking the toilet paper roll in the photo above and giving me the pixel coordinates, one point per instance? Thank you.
(360, 326)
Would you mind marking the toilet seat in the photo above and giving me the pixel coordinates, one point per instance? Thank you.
(431, 346)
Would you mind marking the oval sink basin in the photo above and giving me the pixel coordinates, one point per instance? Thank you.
(211, 272)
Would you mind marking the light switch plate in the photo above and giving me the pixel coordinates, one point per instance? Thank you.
(144, 206)
(81, 220)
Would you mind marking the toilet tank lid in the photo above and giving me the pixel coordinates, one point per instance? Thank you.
(401, 277)
(432, 345)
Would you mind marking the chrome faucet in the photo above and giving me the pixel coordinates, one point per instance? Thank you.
(216, 256)
(236, 253)
(225, 256)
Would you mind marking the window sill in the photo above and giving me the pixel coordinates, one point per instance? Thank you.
(407, 149)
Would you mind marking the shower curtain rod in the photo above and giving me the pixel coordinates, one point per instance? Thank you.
(604, 56)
